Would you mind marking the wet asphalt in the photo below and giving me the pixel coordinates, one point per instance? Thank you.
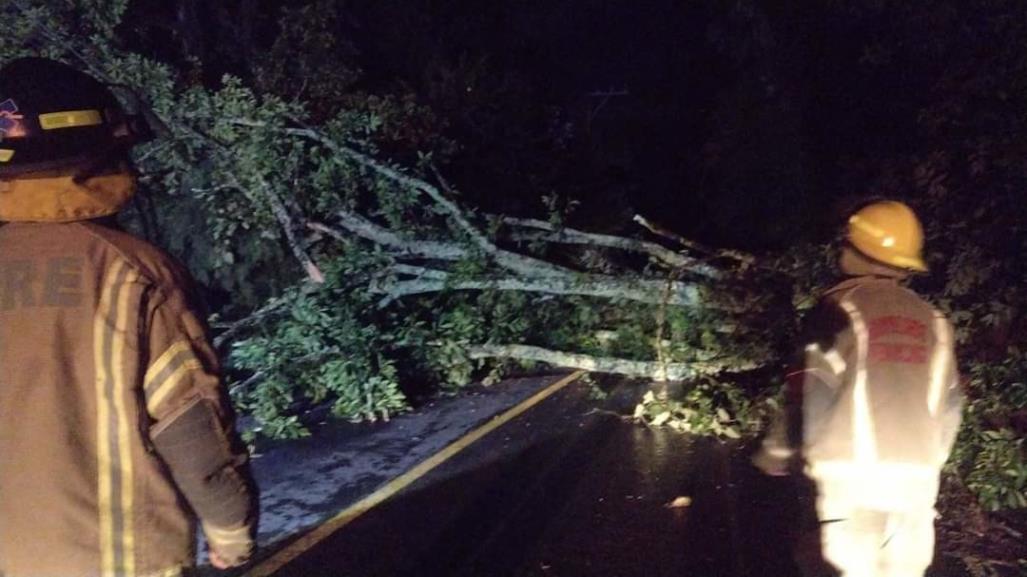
(571, 489)
(567, 489)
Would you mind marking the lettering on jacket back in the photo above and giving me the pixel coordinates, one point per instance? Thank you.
(55, 282)
(911, 335)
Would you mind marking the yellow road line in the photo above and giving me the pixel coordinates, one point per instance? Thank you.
(272, 564)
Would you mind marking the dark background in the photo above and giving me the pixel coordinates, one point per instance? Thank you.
(747, 124)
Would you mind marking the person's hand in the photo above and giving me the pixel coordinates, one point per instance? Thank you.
(217, 561)
(228, 548)
(771, 465)
(222, 562)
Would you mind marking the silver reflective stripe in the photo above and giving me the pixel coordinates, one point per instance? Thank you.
(834, 358)
(940, 364)
(831, 358)
(841, 469)
(864, 441)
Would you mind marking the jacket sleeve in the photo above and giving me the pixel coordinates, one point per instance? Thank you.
(192, 424)
(951, 406)
(951, 418)
(811, 384)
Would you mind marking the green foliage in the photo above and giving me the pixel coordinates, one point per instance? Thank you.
(707, 407)
(326, 346)
(997, 467)
(990, 454)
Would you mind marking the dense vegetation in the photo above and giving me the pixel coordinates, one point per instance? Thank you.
(370, 217)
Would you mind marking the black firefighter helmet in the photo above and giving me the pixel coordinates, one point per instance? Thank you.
(55, 119)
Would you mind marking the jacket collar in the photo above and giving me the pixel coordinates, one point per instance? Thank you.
(61, 199)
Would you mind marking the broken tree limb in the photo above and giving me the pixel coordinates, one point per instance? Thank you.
(420, 271)
(571, 236)
(507, 259)
(278, 209)
(363, 228)
(643, 369)
(658, 230)
(232, 329)
(418, 248)
(285, 220)
(510, 260)
(605, 287)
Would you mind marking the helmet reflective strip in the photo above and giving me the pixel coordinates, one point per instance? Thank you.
(939, 364)
(6, 154)
(70, 119)
(864, 443)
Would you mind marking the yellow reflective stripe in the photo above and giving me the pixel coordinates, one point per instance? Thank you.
(114, 452)
(163, 361)
(70, 119)
(6, 154)
(167, 373)
(103, 452)
(169, 572)
(172, 381)
(121, 389)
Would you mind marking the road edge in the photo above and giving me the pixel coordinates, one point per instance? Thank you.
(267, 567)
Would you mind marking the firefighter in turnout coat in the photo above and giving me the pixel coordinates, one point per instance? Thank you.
(115, 433)
(874, 403)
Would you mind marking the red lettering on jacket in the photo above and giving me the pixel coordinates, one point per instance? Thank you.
(897, 325)
(898, 353)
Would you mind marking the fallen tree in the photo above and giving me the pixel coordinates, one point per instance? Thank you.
(349, 273)
(442, 261)
(338, 277)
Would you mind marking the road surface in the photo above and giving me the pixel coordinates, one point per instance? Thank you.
(567, 488)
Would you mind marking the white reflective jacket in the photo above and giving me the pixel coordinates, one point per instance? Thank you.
(879, 394)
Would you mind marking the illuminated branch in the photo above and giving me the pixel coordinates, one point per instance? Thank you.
(506, 259)
(644, 369)
(433, 280)
(571, 236)
(285, 220)
(363, 228)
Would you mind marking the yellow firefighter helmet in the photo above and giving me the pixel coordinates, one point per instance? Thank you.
(888, 232)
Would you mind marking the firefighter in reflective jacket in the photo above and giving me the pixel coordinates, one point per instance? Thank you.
(114, 426)
(874, 404)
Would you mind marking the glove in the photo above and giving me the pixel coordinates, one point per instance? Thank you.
(229, 547)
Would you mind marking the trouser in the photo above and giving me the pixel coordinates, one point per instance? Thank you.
(864, 542)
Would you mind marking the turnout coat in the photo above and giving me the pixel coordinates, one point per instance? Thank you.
(114, 425)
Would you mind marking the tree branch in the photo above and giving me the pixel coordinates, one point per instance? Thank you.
(379, 235)
(285, 220)
(656, 229)
(231, 329)
(643, 369)
(572, 236)
(604, 287)
(506, 259)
